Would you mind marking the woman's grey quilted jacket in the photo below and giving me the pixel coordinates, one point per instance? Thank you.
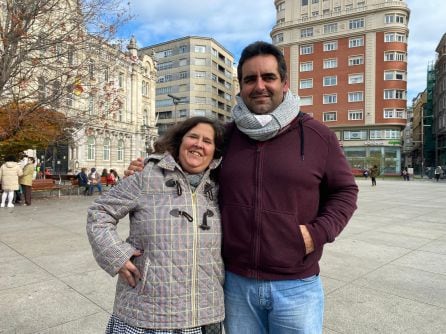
(178, 230)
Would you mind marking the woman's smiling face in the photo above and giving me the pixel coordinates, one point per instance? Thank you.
(197, 148)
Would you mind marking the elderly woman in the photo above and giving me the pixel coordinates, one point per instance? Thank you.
(170, 267)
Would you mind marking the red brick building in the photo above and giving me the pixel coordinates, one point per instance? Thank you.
(347, 61)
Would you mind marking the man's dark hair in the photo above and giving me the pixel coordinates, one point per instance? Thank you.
(262, 48)
(171, 140)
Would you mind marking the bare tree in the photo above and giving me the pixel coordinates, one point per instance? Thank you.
(52, 50)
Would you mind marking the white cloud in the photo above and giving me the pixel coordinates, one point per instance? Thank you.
(232, 23)
(236, 23)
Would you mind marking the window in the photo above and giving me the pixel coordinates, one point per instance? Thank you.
(356, 24)
(355, 135)
(107, 149)
(91, 148)
(394, 75)
(281, 7)
(91, 69)
(394, 113)
(306, 83)
(307, 32)
(306, 67)
(200, 100)
(330, 63)
(315, 13)
(199, 74)
(330, 46)
(394, 37)
(394, 18)
(355, 78)
(145, 117)
(69, 100)
(278, 38)
(164, 66)
(182, 48)
(306, 100)
(70, 55)
(356, 42)
(394, 56)
(385, 134)
(355, 96)
(91, 110)
(121, 80)
(356, 115)
(394, 94)
(306, 49)
(304, 2)
(330, 80)
(330, 116)
(330, 98)
(164, 53)
(183, 75)
(200, 48)
(121, 150)
(330, 28)
(355, 60)
(200, 61)
(337, 9)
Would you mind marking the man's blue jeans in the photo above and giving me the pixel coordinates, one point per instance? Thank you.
(275, 307)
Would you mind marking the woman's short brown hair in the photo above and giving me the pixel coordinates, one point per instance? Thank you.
(172, 139)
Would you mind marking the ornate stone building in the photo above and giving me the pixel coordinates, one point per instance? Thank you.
(119, 106)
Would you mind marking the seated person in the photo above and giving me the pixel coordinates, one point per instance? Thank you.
(83, 180)
(94, 181)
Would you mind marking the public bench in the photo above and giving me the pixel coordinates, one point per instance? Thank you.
(49, 185)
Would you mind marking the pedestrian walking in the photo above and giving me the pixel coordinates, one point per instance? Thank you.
(374, 173)
(10, 172)
(26, 180)
(438, 171)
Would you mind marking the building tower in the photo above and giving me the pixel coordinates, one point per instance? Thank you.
(347, 61)
(195, 78)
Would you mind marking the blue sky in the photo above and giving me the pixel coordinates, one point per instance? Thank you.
(235, 24)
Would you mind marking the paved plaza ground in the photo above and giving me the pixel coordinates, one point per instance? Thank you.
(386, 273)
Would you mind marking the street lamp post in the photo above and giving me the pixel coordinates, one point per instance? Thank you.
(175, 100)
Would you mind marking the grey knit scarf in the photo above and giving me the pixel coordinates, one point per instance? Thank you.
(264, 127)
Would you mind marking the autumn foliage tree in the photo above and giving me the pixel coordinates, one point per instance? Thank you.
(38, 130)
(46, 51)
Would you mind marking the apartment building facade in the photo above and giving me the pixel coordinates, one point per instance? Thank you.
(347, 62)
(439, 97)
(195, 78)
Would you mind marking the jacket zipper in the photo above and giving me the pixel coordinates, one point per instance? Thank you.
(194, 257)
(257, 210)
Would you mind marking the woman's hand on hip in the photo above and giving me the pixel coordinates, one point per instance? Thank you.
(129, 272)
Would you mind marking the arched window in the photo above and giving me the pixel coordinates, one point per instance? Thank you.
(107, 149)
(121, 150)
(91, 148)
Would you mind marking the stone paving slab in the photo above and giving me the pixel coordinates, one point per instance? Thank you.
(386, 273)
